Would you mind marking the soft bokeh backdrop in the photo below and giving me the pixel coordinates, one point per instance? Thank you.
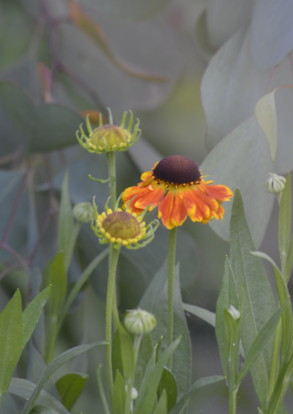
(208, 79)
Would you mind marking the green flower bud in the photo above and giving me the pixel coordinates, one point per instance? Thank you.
(138, 321)
(275, 183)
(83, 212)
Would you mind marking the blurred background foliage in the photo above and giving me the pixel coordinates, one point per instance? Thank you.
(193, 72)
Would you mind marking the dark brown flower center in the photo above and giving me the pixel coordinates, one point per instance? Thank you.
(177, 169)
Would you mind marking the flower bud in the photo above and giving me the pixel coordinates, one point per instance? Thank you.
(275, 183)
(83, 212)
(138, 321)
(234, 312)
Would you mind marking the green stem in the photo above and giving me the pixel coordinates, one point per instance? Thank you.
(233, 401)
(110, 311)
(130, 384)
(171, 272)
(111, 160)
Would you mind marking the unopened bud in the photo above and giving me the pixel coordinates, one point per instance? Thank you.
(275, 183)
(138, 321)
(83, 212)
(234, 312)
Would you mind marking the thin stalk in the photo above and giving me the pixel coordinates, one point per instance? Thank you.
(171, 273)
(102, 391)
(233, 401)
(110, 304)
(111, 160)
(130, 384)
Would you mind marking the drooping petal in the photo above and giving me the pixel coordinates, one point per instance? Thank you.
(219, 192)
(150, 198)
(179, 212)
(165, 210)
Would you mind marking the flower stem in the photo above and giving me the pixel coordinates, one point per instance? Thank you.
(110, 311)
(111, 160)
(232, 401)
(171, 271)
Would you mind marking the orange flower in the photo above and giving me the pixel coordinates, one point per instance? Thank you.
(176, 186)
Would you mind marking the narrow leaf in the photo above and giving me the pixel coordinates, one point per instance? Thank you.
(155, 301)
(227, 297)
(265, 112)
(255, 292)
(161, 407)
(119, 394)
(123, 355)
(196, 387)
(32, 313)
(24, 389)
(11, 340)
(67, 228)
(284, 228)
(204, 314)
(148, 392)
(54, 366)
(70, 387)
(55, 276)
(168, 386)
(261, 339)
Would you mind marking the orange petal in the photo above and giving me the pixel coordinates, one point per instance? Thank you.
(219, 192)
(151, 197)
(165, 210)
(179, 211)
(197, 209)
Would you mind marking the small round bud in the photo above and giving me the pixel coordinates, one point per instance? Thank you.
(83, 212)
(234, 312)
(138, 321)
(275, 183)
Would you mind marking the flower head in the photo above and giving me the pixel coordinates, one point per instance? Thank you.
(109, 137)
(123, 228)
(176, 186)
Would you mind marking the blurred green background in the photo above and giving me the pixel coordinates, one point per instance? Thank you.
(192, 71)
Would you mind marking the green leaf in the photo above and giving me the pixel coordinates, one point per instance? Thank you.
(54, 366)
(254, 292)
(196, 387)
(261, 339)
(119, 394)
(168, 386)
(32, 313)
(55, 275)
(123, 355)
(227, 297)
(284, 229)
(67, 228)
(24, 389)
(147, 395)
(70, 387)
(11, 340)
(155, 301)
(45, 127)
(161, 407)
(204, 314)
